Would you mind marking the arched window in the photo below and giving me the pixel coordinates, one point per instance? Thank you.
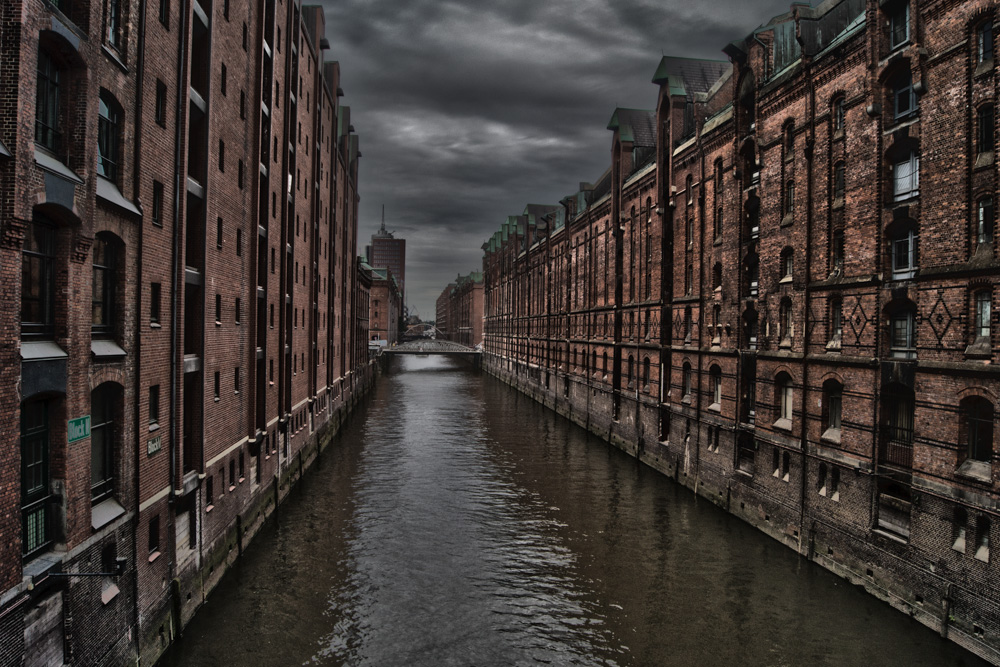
(686, 382)
(104, 257)
(716, 324)
(689, 186)
(789, 140)
(645, 372)
(604, 367)
(784, 399)
(687, 324)
(631, 370)
(105, 411)
(109, 127)
(718, 222)
(717, 275)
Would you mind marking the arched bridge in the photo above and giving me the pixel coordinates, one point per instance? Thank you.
(432, 346)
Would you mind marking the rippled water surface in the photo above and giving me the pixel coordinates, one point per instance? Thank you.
(456, 522)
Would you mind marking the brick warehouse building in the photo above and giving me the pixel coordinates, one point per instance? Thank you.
(808, 345)
(460, 310)
(171, 174)
(386, 306)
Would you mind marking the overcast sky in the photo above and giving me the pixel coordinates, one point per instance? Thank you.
(467, 111)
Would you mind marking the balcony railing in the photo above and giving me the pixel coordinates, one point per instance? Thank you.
(896, 446)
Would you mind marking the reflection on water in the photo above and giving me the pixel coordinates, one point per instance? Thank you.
(456, 522)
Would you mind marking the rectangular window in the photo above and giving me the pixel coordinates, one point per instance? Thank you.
(157, 212)
(238, 310)
(834, 400)
(244, 35)
(114, 24)
(904, 101)
(906, 177)
(37, 287)
(222, 80)
(239, 174)
(899, 25)
(904, 262)
(35, 527)
(984, 220)
(154, 303)
(218, 308)
(165, 13)
(108, 128)
(236, 379)
(902, 341)
(154, 534)
(225, 9)
(216, 385)
(222, 156)
(243, 105)
(239, 242)
(161, 103)
(984, 137)
(983, 303)
(209, 492)
(47, 104)
(154, 405)
(218, 233)
(984, 41)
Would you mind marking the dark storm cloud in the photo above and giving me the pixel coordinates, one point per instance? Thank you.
(467, 112)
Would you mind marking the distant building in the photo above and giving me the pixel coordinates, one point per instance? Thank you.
(386, 306)
(386, 251)
(460, 310)
(443, 306)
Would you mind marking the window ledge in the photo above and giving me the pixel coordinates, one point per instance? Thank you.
(154, 427)
(39, 350)
(687, 399)
(983, 68)
(715, 407)
(783, 424)
(153, 556)
(834, 345)
(109, 593)
(978, 471)
(838, 203)
(838, 134)
(787, 220)
(110, 193)
(155, 325)
(232, 487)
(892, 536)
(785, 279)
(105, 512)
(980, 349)
(55, 166)
(106, 350)
(114, 57)
(209, 508)
(984, 159)
(831, 435)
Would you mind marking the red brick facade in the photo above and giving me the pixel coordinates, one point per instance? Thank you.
(781, 294)
(386, 307)
(460, 311)
(178, 217)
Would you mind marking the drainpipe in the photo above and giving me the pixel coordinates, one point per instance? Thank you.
(136, 180)
(810, 145)
(174, 269)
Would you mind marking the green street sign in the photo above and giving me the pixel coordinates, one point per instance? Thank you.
(79, 428)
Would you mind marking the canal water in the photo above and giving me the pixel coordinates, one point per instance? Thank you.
(456, 522)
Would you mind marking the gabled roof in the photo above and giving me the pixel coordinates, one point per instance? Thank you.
(635, 125)
(689, 76)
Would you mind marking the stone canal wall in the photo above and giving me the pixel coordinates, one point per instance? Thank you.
(202, 570)
(828, 523)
